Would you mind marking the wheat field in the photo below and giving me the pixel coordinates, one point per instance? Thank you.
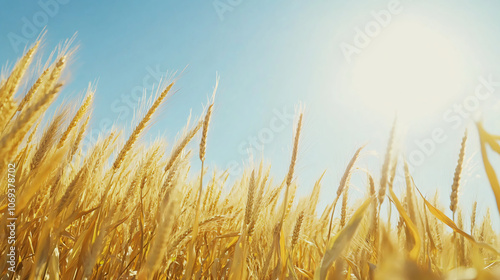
(121, 209)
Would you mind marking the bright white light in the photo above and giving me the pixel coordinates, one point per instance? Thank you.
(410, 69)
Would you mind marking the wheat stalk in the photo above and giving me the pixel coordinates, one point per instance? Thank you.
(76, 119)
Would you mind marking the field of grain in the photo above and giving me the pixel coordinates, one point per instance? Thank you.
(125, 210)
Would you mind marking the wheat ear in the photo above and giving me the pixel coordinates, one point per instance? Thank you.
(473, 218)
(250, 198)
(29, 96)
(456, 178)
(11, 85)
(291, 168)
(296, 229)
(140, 127)
(386, 167)
(180, 147)
(343, 182)
(343, 212)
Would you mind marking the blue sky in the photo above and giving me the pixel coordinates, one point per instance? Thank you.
(272, 56)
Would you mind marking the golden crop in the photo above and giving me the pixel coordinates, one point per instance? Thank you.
(126, 210)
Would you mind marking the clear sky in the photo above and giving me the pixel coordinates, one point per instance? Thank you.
(354, 65)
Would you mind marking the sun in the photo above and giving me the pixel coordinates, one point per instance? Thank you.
(410, 69)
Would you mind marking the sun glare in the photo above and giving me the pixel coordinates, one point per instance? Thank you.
(411, 69)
